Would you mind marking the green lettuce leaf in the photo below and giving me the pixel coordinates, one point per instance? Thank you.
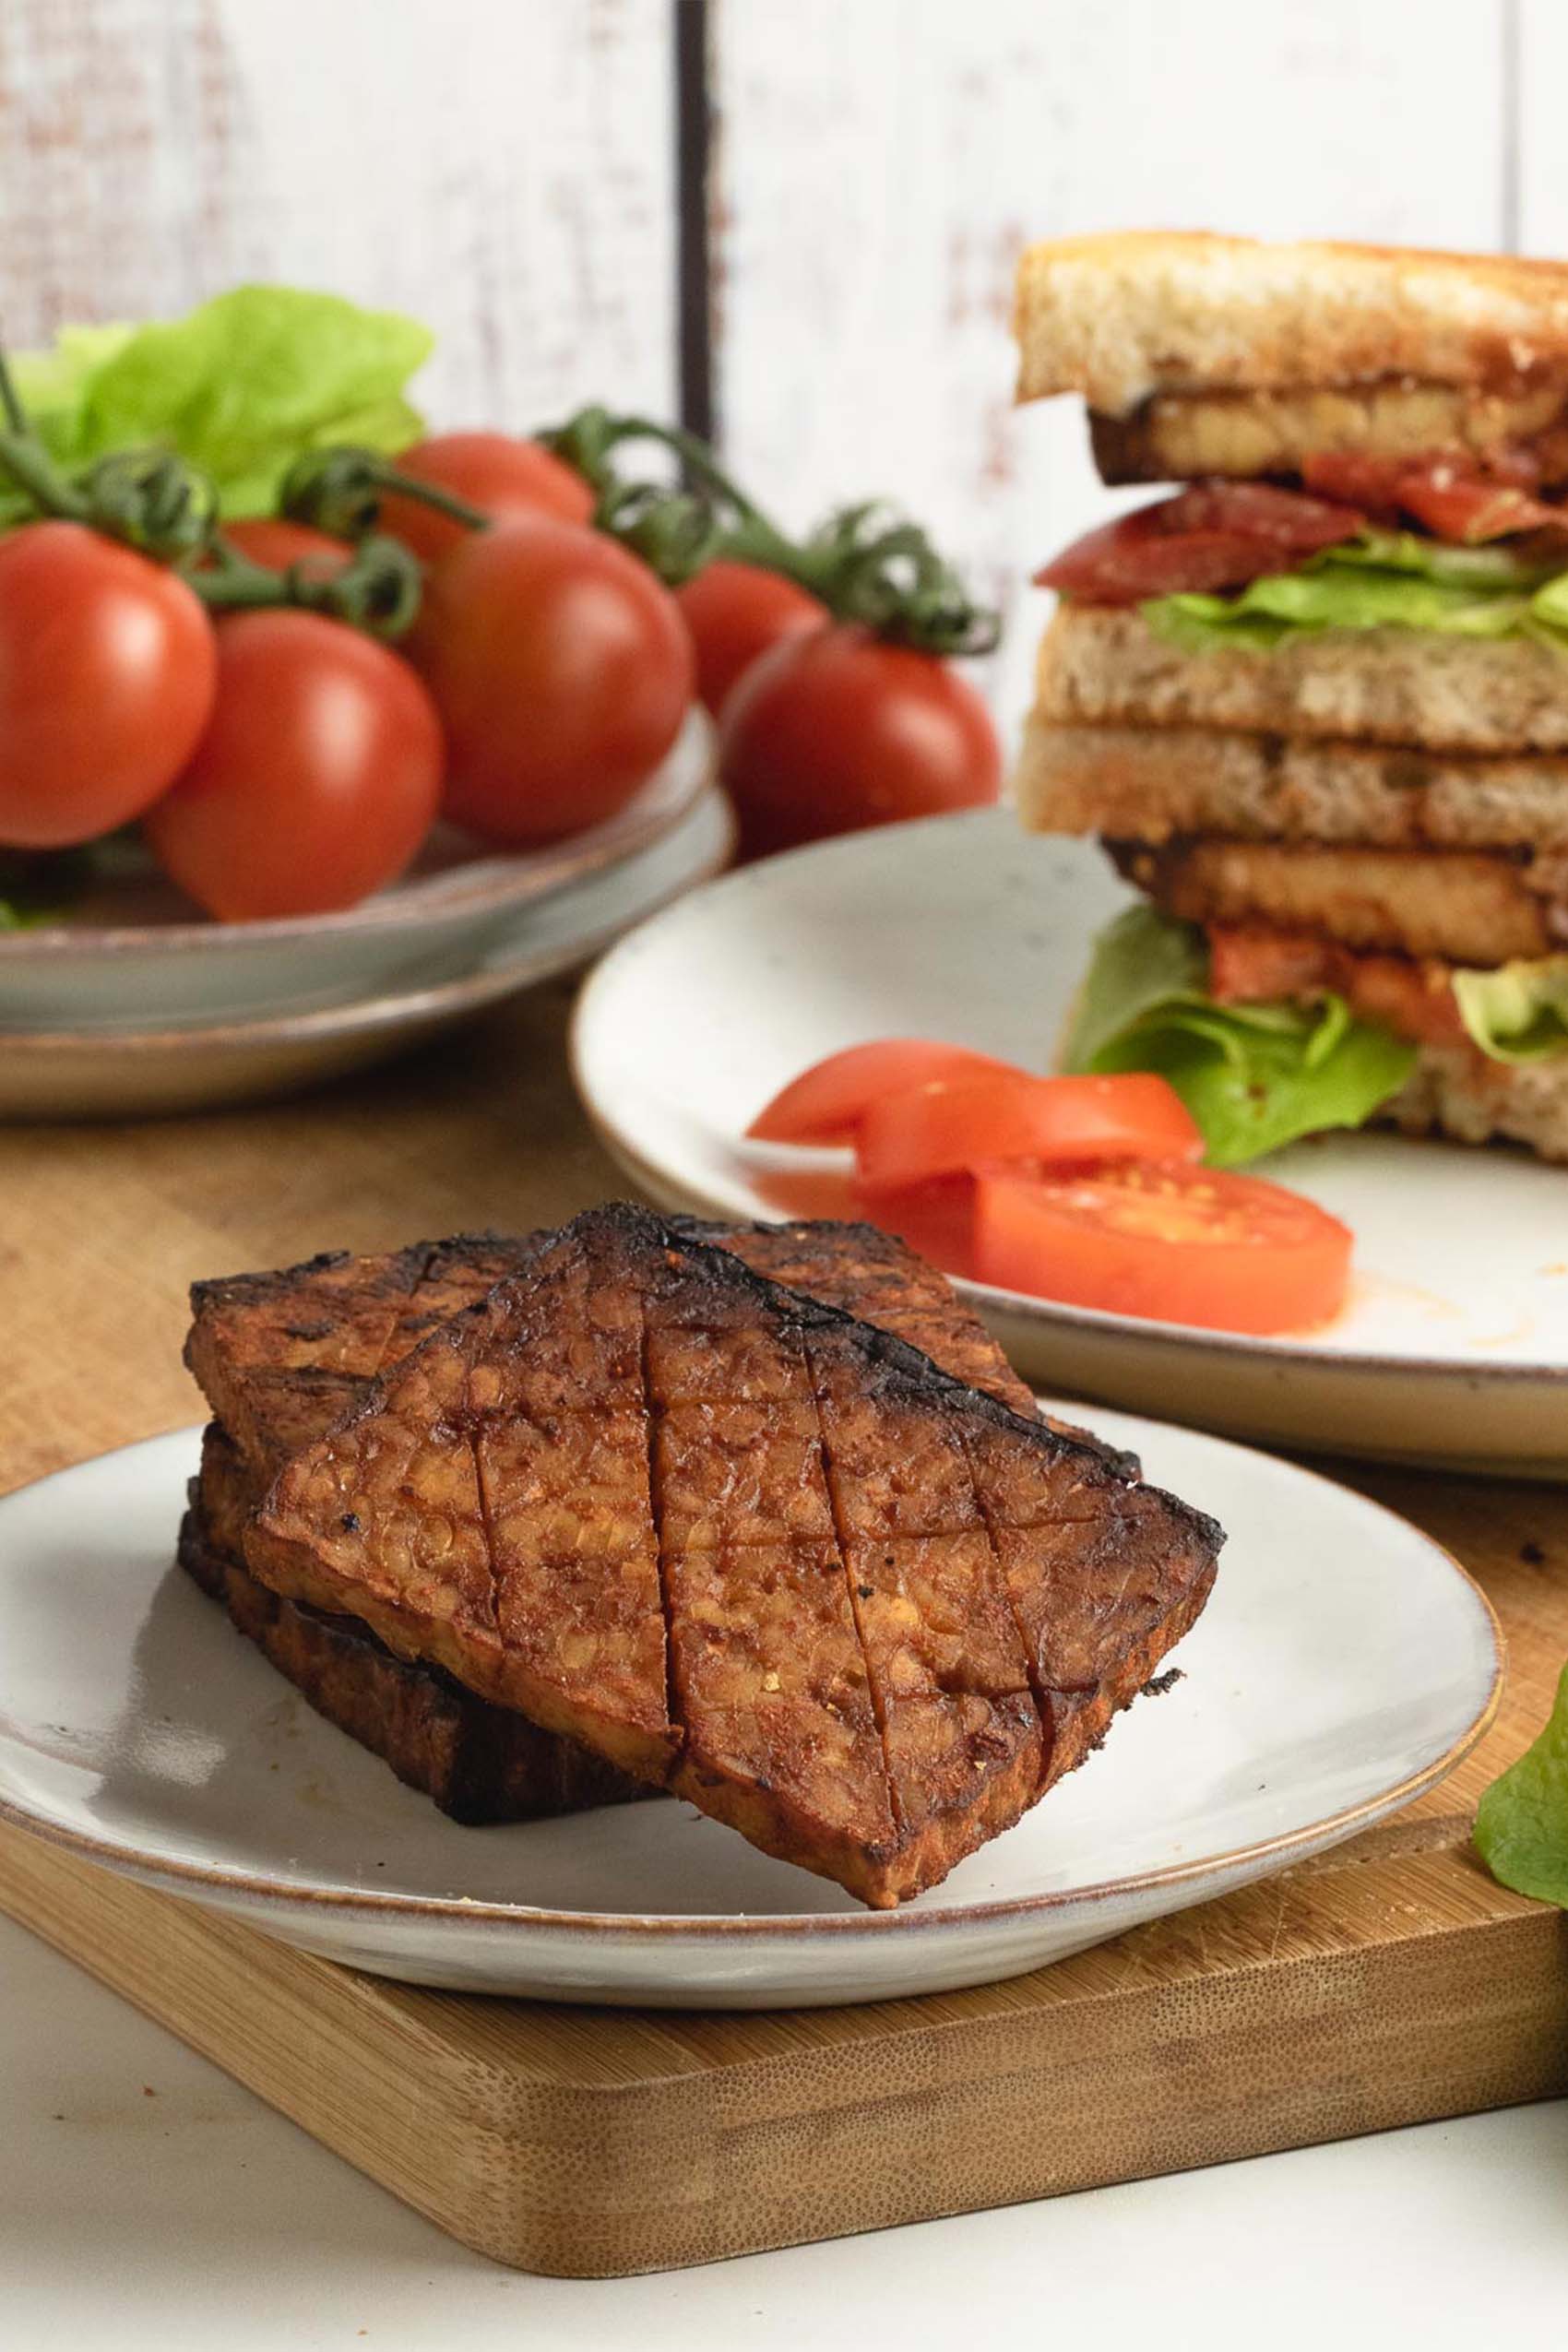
(1381, 580)
(240, 387)
(1254, 1076)
(1522, 1820)
(1519, 1013)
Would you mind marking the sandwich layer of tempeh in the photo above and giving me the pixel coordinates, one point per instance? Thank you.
(1462, 906)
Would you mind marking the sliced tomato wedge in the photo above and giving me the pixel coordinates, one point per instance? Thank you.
(1470, 511)
(826, 1103)
(1182, 1244)
(1292, 520)
(1453, 501)
(910, 1137)
(1214, 535)
(936, 1219)
(1122, 562)
(1248, 966)
(1414, 999)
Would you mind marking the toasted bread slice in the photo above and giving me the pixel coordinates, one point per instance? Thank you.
(746, 1547)
(1463, 906)
(1186, 437)
(1121, 317)
(1457, 1091)
(1152, 783)
(1103, 665)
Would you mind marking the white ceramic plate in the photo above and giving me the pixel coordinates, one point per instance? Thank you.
(101, 1073)
(1454, 1346)
(1344, 1664)
(136, 955)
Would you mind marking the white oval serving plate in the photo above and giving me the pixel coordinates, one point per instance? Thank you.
(101, 1073)
(136, 955)
(1454, 1346)
(1344, 1664)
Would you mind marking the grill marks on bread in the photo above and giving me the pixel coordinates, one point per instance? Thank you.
(739, 1544)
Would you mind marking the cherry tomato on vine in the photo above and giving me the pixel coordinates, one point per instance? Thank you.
(503, 476)
(274, 540)
(737, 612)
(107, 671)
(316, 780)
(562, 670)
(839, 731)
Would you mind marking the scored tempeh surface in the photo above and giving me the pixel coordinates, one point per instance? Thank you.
(271, 1350)
(683, 1612)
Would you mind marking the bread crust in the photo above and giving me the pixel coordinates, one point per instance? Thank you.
(1152, 783)
(1457, 1091)
(1102, 664)
(1121, 317)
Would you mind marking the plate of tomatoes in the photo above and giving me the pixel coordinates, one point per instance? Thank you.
(868, 1028)
(318, 727)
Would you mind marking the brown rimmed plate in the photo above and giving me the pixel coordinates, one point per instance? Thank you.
(1344, 1665)
(1453, 1347)
(144, 1067)
(134, 954)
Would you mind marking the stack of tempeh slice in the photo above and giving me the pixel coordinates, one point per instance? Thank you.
(715, 1533)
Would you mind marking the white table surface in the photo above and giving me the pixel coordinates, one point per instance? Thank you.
(149, 2204)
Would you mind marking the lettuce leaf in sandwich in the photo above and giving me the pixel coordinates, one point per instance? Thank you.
(1383, 579)
(1254, 1076)
(1519, 1013)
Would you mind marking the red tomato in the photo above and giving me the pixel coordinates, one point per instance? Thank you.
(1183, 1244)
(936, 1219)
(502, 475)
(1215, 535)
(826, 1103)
(107, 671)
(737, 612)
(837, 731)
(1248, 964)
(1455, 500)
(274, 540)
(562, 671)
(1288, 520)
(941, 1130)
(1414, 1000)
(316, 780)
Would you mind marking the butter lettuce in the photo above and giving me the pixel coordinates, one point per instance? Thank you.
(1519, 1013)
(1522, 1820)
(1383, 579)
(1254, 1076)
(242, 386)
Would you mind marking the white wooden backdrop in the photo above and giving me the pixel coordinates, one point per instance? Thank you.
(505, 169)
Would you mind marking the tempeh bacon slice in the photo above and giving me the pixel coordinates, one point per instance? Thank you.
(745, 1546)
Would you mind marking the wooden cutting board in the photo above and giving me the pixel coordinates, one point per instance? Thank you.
(1385, 1983)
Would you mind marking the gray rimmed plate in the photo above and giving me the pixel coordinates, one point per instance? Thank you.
(134, 954)
(1345, 1664)
(98, 1072)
